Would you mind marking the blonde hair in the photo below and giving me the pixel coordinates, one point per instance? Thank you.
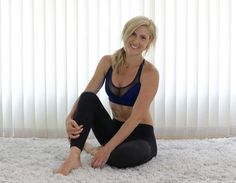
(118, 58)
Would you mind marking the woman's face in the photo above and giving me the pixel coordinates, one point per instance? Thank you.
(138, 41)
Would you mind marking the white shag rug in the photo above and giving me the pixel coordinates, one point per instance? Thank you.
(31, 160)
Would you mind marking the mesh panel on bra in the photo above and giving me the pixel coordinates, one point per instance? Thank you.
(119, 91)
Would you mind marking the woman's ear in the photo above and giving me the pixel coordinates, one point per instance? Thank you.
(148, 46)
(149, 43)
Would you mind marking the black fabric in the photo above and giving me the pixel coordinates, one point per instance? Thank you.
(137, 149)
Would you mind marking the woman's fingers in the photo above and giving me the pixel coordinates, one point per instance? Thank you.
(75, 134)
(100, 158)
(73, 129)
(72, 136)
(76, 131)
(75, 125)
(97, 164)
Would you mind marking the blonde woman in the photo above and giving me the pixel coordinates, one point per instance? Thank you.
(127, 139)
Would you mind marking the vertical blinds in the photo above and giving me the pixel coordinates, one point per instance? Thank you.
(49, 50)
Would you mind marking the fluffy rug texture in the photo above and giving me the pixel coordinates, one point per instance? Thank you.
(31, 160)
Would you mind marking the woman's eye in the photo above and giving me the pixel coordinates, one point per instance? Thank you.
(143, 37)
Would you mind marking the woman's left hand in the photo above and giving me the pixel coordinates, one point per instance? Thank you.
(100, 158)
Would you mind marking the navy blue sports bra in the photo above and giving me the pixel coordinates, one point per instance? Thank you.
(126, 95)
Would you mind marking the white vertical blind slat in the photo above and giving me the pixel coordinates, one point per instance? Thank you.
(192, 38)
(83, 46)
(148, 10)
(72, 57)
(136, 7)
(6, 68)
(125, 11)
(39, 67)
(224, 67)
(213, 66)
(202, 66)
(170, 66)
(104, 25)
(50, 52)
(233, 66)
(159, 118)
(16, 65)
(93, 28)
(28, 67)
(181, 63)
(61, 63)
(115, 25)
(1, 117)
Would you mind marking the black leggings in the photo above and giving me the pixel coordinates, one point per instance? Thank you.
(138, 148)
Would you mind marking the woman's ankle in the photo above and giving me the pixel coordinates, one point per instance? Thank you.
(75, 152)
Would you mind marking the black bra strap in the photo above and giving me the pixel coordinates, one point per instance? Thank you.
(140, 69)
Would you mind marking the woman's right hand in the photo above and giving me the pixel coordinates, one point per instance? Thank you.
(73, 129)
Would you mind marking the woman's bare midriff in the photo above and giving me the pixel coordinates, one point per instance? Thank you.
(122, 113)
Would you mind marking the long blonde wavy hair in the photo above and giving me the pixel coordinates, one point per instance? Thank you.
(118, 58)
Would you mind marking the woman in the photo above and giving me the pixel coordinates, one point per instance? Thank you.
(131, 82)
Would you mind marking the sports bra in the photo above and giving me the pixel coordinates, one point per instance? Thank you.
(126, 95)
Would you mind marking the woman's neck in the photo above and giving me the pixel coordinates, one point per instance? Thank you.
(131, 61)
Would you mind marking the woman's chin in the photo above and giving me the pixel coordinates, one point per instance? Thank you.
(134, 52)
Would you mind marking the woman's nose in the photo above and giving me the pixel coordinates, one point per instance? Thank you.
(136, 40)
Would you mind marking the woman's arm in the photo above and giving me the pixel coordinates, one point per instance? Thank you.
(149, 86)
(97, 80)
(94, 85)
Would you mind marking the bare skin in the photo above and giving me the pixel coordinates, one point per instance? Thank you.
(89, 148)
(72, 162)
(122, 113)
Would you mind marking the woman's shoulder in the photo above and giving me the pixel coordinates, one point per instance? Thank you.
(105, 62)
(106, 58)
(149, 73)
(150, 70)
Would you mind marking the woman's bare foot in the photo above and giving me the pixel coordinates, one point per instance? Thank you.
(89, 148)
(72, 162)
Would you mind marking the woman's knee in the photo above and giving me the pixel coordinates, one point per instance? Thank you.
(88, 97)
